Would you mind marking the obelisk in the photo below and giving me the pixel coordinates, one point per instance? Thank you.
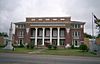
(9, 42)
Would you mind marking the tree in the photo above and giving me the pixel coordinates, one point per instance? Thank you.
(87, 35)
(83, 47)
(3, 34)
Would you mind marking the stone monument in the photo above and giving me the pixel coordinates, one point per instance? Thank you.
(9, 40)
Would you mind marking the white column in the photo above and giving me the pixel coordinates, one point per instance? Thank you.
(51, 35)
(58, 37)
(43, 36)
(36, 36)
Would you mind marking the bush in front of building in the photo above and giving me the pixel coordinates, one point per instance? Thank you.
(54, 47)
(83, 47)
(21, 45)
(72, 46)
(30, 46)
(49, 47)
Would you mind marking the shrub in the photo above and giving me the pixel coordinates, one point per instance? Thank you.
(83, 47)
(30, 46)
(21, 45)
(55, 47)
(72, 46)
(49, 47)
(27, 46)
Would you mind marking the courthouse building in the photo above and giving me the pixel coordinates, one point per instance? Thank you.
(53, 30)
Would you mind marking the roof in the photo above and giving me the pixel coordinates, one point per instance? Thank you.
(73, 22)
(46, 17)
(78, 22)
(20, 23)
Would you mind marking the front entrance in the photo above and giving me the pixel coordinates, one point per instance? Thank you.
(54, 42)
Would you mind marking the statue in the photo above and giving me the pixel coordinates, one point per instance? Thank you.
(9, 40)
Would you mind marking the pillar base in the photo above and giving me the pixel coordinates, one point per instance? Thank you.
(9, 46)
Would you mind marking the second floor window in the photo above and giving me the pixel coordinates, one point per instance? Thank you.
(21, 33)
(47, 32)
(76, 34)
(55, 33)
(62, 33)
(40, 32)
(75, 26)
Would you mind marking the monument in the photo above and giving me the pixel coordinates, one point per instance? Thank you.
(9, 39)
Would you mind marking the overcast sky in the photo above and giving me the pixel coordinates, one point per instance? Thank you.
(18, 10)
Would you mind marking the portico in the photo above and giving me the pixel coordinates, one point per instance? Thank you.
(40, 36)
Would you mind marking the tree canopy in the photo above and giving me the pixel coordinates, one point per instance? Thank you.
(3, 34)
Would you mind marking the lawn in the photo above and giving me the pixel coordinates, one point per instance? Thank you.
(62, 52)
(67, 52)
(17, 50)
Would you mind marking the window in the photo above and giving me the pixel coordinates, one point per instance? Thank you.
(62, 33)
(75, 25)
(76, 43)
(16, 26)
(62, 42)
(39, 42)
(40, 32)
(62, 19)
(21, 26)
(78, 26)
(21, 33)
(76, 34)
(47, 19)
(20, 42)
(55, 19)
(32, 19)
(39, 19)
(47, 32)
(55, 33)
(33, 32)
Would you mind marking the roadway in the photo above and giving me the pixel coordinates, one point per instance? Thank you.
(12, 58)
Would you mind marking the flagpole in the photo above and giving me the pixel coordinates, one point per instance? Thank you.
(92, 27)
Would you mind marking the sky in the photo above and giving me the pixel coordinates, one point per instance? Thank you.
(78, 10)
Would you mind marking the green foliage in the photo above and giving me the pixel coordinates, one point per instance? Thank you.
(3, 34)
(83, 47)
(49, 47)
(21, 45)
(72, 46)
(30, 46)
(98, 36)
(87, 35)
(54, 47)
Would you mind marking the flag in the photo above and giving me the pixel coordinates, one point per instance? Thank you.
(95, 17)
(96, 20)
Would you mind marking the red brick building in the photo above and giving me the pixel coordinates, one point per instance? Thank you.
(54, 30)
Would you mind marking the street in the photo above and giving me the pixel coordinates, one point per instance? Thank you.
(11, 58)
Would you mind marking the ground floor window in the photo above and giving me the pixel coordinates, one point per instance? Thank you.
(33, 41)
(76, 43)
(20, 42)
(39, 42)
(62, 41)
(54, 42)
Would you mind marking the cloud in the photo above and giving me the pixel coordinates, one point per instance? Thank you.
(18, 10)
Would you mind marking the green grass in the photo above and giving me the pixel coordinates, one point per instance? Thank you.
(62, 52)
(67, 52)
(17, 50)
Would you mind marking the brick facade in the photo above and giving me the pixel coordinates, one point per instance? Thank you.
(63, 31)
